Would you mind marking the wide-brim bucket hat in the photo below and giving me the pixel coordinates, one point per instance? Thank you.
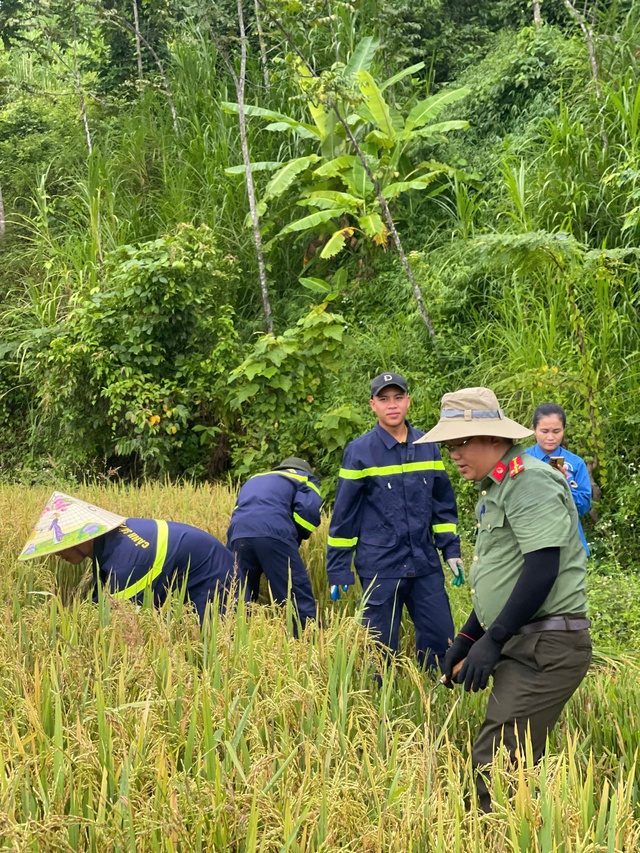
(66, 522)
(470, 412)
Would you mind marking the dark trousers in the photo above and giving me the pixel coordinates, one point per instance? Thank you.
(426, 600)
(279, 561)
(533, 681)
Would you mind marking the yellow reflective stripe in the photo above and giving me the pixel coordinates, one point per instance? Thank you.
(444, 528)
(341, 543)
(387, 470)
(433, 465)
(303, 522)
(292, 475)
(158, 564)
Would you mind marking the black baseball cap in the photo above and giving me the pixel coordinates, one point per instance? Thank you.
(386, 379)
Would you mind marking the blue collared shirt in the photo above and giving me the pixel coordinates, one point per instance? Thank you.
(578, 479)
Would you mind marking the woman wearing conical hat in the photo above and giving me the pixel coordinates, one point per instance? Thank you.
(132, 555)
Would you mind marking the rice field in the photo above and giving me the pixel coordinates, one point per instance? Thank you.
(135, 731)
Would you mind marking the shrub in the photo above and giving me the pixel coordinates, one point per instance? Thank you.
(144, 359)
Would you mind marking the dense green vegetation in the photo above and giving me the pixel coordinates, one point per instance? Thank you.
(448, 189)
(134, 731)
(133, 318)
(502, 154)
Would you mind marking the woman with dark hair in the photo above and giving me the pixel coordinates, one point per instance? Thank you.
(549, 424)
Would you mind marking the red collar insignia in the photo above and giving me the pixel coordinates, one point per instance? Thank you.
(499, 471)
(516, 466)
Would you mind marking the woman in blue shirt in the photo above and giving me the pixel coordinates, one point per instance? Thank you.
(549, 424)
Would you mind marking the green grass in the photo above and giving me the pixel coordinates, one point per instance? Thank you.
(127, 730)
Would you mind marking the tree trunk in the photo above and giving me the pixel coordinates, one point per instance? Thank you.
(240, 81)
(386, 212)
(263, 48)
(588, 34)
(537, 17)
(2, 219)
(83, 105)
(124, 24)
(137, 36)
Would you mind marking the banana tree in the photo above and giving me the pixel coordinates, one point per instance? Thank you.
(333, 183)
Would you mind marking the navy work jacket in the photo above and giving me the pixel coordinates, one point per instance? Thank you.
(394, 506)
(282, 504)
(145, 553)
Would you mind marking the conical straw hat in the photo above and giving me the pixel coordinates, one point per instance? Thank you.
(65, 522)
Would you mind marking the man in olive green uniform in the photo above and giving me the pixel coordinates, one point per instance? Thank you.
(528, 626)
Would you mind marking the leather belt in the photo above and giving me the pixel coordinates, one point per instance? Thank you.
(556, 623)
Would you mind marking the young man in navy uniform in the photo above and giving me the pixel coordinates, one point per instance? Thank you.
(394, 509)
(275, 511)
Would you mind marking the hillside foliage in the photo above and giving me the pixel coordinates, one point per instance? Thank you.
(503, 155)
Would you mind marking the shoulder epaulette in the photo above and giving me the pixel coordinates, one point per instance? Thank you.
(499, 471)
(516, 466)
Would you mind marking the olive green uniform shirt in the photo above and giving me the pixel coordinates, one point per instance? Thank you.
(524, 507)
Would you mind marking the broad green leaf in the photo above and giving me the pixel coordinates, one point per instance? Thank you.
(381, 140)
(393, 190)
(412, 69)
(261, 112)
(283, 179)
(245, 393)
(376, 103)
(318, 203)
(440, 127)
(312, 220)
(302, 131)
(362, 55)
(428, 109)
(336, 166)
(281, 380)
(358, 180)
(372, 225)
(434, 166)
(319, 116)
(336, 243)
(317, 285)
(263, 166)
(334, 196)
(339, 279)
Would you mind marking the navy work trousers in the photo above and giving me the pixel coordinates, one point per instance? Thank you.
(426, 600)
(278, 560)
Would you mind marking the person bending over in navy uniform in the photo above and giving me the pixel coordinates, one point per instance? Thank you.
(275, 511)
(395, 506)
(143, 553)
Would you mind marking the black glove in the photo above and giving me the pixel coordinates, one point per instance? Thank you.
(480, 663)
(456, 652)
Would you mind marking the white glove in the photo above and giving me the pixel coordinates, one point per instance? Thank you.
(456, 566)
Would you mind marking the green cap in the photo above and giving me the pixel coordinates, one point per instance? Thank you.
(294, 462)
